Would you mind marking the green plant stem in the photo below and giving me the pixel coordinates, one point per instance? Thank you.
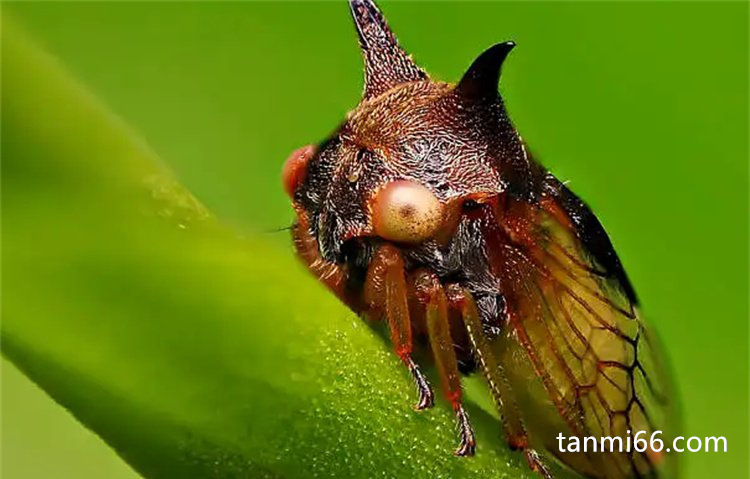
(191, 351)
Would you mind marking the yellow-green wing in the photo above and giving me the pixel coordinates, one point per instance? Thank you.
(577, 356)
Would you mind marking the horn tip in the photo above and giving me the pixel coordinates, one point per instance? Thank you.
(480, 81)
(504, 48)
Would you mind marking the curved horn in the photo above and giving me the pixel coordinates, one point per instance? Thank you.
(386, 63)
(480, 80)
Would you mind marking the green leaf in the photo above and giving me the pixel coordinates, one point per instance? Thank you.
(192, 351)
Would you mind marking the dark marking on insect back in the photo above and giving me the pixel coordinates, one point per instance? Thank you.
(593, 236)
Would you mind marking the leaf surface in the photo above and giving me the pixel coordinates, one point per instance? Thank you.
(192, 351)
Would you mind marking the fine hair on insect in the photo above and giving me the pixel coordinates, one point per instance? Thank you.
(426, 211)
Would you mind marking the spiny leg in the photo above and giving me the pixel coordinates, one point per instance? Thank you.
(515, 432)
(386, 293)
(536, 464)
(430, 293)
(331, 274)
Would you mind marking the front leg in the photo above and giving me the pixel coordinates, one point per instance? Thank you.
(430, 293)
(386, 294)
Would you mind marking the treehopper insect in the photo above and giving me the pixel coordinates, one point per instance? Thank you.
(426, 210)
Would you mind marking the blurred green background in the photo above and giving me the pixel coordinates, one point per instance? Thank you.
(642, 106)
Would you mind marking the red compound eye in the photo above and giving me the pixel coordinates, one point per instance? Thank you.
(295, 168)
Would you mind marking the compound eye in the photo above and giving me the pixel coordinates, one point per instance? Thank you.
(295, 167)
(406, 212)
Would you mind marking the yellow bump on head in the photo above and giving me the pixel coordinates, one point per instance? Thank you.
(406, 212)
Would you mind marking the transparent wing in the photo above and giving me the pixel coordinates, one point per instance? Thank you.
(573, 313)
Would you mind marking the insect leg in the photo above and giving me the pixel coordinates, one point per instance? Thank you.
(385, 292)
(515, 432)
(536, 464)
(330, 274)
(430, 293)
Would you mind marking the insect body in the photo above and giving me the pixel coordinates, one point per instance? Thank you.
(426, 210)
